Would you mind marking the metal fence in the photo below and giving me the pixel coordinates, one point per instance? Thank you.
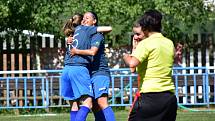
(195, 85)
(41, 88)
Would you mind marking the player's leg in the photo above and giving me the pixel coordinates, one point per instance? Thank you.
(67, 92)
(74, 105)
(107, 110)
(84, 108)
(97, 111)
(82, 89)
(100, 88)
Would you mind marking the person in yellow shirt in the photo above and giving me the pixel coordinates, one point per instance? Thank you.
(153, 58)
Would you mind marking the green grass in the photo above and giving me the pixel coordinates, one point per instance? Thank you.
(120, 116)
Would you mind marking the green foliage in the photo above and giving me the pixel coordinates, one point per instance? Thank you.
(182, 16)
(48, 16)
(16, 14)
(3, 14)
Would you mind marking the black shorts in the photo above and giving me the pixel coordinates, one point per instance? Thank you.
(158, 106)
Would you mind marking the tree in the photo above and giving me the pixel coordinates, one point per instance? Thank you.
(48, 16)
(187, 16)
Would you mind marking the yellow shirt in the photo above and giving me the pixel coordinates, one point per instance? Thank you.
(156, 55)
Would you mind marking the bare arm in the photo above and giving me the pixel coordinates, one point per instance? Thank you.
(92, 51)
(134, 45)
(104, 29)
(131, 61)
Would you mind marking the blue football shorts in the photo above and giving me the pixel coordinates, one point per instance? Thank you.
(100, 85)
(75, 82)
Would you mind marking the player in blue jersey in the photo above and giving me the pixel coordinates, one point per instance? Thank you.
(76, 82)
(100, 71)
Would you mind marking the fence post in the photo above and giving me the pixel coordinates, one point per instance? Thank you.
(199, 70)
(47, 92)
(207, 85)
(21, 93)
(192, 72)
(184, 72)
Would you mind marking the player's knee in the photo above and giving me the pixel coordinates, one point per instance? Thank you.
(87, 101)
(102, 102)
(74, 106)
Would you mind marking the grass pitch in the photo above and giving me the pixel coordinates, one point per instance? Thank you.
(120, 116)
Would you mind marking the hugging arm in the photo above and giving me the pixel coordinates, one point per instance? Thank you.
(104, 29)
(92, 51)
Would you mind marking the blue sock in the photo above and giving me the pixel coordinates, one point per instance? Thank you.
(82, 114)
(109, 114)
(73, 115)
(99, 116)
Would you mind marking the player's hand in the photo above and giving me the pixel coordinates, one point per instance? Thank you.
(125, 56)
(69, 40)
(134, 43)
(73, 51)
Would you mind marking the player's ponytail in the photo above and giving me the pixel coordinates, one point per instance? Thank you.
(69, 27)
(77, 18)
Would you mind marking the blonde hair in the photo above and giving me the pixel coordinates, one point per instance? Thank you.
(69, 27)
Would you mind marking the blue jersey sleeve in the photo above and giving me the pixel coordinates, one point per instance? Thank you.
(91, 30)
(97, 40)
